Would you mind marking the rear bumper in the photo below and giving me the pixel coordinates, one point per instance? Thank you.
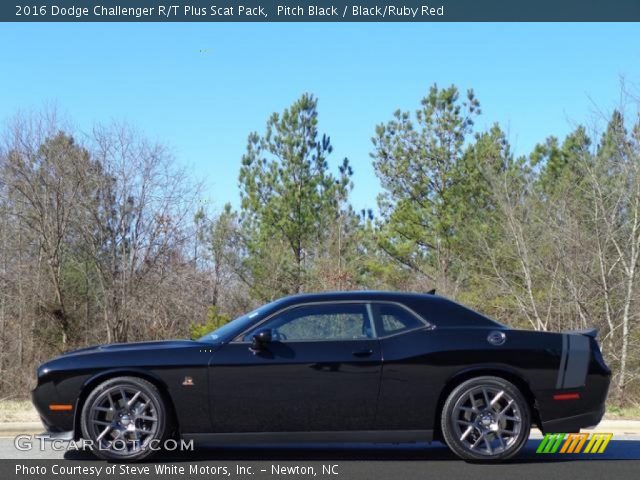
(574, 423)
(569, 415)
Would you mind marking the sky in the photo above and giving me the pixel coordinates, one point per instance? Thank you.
(202, 88)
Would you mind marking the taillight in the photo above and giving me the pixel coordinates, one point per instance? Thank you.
(566, 396)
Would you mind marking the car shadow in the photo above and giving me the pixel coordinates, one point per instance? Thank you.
(616, 450)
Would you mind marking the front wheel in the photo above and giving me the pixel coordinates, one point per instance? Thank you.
(125, 419)
(486, 418)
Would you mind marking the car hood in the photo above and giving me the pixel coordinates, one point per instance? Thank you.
(116, 347)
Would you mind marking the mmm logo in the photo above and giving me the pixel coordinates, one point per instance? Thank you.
(573, 443)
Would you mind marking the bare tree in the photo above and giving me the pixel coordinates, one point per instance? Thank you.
(44, 172)
(614, 179)
(135, 215)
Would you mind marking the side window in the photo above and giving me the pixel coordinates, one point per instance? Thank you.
(345, 321)
(394, 319)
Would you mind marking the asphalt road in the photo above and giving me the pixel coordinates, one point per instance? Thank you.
(621, 460)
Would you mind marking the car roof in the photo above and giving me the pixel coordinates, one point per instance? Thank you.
(357, 295)
(433, 308)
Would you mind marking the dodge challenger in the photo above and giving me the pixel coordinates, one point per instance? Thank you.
(331, 367)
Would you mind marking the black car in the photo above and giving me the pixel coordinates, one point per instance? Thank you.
(331, 367)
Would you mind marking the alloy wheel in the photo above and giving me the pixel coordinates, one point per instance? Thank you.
(123, 419)
(487, 420)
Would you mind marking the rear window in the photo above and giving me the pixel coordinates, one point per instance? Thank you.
(394, 319)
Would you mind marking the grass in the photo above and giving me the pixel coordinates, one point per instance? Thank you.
(17, 411)
(23, 411)
(622, 413)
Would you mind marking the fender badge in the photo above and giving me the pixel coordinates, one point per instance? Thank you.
(188, 382)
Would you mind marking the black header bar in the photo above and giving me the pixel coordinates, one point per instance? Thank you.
(320, 11)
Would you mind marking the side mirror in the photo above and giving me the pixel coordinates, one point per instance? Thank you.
(261, 339)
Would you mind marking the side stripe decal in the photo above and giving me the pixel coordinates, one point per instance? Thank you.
(563, 361)
(577, 361)
(574, 361)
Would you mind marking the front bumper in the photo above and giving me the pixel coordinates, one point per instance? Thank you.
(54, 421)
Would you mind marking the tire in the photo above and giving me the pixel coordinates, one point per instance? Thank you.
(122, 416)
(486, 418)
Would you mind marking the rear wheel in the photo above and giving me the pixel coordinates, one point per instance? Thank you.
(486, 418)
(125, 418)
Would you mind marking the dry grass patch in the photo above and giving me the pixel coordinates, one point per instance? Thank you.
(17, 411)
(622, 413)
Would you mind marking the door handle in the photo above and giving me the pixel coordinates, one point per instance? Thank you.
(363, 353)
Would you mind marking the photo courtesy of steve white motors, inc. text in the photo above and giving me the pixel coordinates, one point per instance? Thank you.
(174, 469)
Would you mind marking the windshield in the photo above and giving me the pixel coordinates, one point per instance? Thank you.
(242, 323)
(232, 328)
